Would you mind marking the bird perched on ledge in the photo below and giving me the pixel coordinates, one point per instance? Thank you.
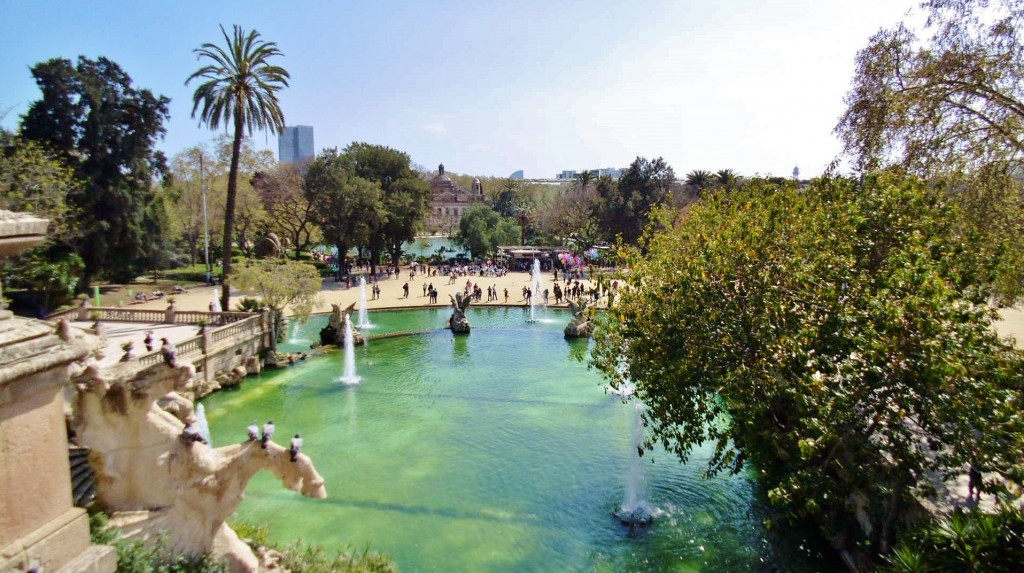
(253, 431)
(295, 446)
(169, 352)
(268, 432)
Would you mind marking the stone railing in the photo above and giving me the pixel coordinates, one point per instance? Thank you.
(166, 316)
(250, 326)
(198, 348)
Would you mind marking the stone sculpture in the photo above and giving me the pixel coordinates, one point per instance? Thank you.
(580, 326)
(334, 332)
(458, 322)
(268, 247)
(156, 483)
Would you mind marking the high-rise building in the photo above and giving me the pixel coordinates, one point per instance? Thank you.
(295, 144)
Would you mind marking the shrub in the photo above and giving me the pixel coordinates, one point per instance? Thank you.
(138, 557)
(302, 557)
(964, 541)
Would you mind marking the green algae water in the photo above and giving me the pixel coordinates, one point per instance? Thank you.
(497, 451)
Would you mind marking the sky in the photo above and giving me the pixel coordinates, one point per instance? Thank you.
(491, 87)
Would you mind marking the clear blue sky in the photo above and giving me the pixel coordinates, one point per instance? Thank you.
(489, 87)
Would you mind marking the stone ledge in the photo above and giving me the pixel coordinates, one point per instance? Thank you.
(54, 546)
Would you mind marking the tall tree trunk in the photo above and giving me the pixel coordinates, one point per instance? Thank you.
(229, 209)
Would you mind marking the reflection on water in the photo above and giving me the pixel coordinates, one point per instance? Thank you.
(493, 451)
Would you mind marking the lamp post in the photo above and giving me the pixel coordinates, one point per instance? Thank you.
(206, 230)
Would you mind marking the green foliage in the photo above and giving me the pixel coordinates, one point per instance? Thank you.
(138, 557)
(106, 130)
(482, 230)
(405, 196)
(837, 336)
(288, 208)
(281, 283)
(240, 88)
(347, 207)
(963, 541)
(302, 557)
(625, 208)
(249, 304)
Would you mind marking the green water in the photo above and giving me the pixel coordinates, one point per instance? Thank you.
(496, 451)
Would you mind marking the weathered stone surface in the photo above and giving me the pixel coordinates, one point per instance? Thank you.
(153, 481)
(580, 326)
(334, 332)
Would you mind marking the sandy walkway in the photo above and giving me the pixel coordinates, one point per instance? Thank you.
(391, 296)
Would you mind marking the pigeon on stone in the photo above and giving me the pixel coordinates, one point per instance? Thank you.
(190, 435)
(169, 352)
(295, 446)
(254, 431)
(268, 432)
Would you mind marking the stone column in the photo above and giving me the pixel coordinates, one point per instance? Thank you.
(40, 529)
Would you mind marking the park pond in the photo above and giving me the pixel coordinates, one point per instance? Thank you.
(495, 451)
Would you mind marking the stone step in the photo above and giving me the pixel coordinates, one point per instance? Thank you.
(95, 559)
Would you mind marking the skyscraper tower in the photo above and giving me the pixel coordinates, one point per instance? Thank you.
(295, 144)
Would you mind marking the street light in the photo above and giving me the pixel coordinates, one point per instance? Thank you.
(206, 230)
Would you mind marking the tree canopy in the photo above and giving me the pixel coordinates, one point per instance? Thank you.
(482, 230)
(945, 99)
(625, 207)
(105, 129)
(347, 207)
(838, 337)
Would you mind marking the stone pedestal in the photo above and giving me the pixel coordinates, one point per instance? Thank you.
(40, 529)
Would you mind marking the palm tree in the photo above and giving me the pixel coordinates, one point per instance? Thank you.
(240, 87)
(583, 179)
(726, 178)
(699, 179)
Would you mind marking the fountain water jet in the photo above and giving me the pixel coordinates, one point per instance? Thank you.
(635, 510)
(536, 287)
(202, 425)
(364, 319)
(349, 374)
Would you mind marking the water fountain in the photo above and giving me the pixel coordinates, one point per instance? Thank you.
(364, 319)
(202, 425)
(635, 510)
(215, 306)
(462, 435)
(536, 287)
(349, 373)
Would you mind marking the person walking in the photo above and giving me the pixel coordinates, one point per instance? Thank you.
(405, 289)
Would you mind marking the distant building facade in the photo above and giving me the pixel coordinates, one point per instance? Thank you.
(516, 174)
(295, 144)
(448, 202)
(606, 171)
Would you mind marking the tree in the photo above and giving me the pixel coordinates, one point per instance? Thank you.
(949, 102)
(726, 178)
(288, 208)
(188, 175)
(405, 195)
(280, 284)
(31, 180)
(838, 338)
(625, 207)
(92, 117)
(482, 230)
(700, 179)
(347, 207)
(240, 88)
